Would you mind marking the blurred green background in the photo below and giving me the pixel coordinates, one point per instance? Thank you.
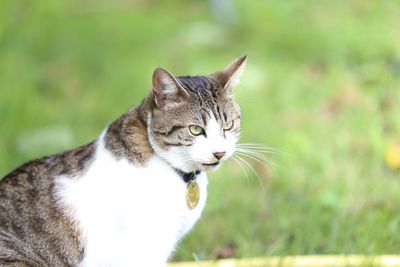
(322, 87)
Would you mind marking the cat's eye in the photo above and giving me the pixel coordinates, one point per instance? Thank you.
(229, 125)
(196, 130)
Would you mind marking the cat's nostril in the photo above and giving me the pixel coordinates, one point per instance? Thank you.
(219, 155)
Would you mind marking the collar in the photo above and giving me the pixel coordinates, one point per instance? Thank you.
(187, 176)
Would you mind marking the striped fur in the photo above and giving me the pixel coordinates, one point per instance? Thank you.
(42, 225)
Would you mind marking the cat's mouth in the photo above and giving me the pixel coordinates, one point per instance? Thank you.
(210, 164)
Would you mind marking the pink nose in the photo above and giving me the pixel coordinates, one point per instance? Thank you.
(219, 155)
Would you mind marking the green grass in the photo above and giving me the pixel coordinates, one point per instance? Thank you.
(322, 86)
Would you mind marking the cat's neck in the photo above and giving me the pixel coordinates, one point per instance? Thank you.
(127, 136)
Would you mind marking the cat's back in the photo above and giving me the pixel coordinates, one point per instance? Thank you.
(31, 222)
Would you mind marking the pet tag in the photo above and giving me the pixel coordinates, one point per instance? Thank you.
(192, 194)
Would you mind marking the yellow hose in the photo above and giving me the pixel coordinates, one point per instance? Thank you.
(297, 261)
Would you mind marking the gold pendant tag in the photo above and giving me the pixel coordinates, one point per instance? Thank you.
(192, 194)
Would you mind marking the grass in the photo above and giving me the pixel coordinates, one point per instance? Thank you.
(322, 86)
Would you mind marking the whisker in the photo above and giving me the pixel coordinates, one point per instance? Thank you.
(241, 166)
(245, 150)
(257, 147)
(253, 170)
(263, 162)
(258, 151)
(255, 154)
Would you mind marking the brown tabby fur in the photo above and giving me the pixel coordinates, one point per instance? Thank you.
(35, 231)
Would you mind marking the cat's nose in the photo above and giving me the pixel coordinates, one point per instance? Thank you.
(219, 155)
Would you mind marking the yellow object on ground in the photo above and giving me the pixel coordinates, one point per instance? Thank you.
(393, 156)
(297, 261)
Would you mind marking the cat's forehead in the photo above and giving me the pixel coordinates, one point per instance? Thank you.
(205, 102)
(201, 109)
(198, 84)
(205, 92)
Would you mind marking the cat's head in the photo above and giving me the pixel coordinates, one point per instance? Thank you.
(195, 122)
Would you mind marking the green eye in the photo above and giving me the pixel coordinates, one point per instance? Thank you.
(228, 126)
(196, 130)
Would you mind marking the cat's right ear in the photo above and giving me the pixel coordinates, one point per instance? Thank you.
(167, 90)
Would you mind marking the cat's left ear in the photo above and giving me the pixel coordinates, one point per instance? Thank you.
(230, 76)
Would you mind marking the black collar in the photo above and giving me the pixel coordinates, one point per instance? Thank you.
(187, 176)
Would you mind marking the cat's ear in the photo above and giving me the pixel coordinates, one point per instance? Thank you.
(230, 76)
(167, 90)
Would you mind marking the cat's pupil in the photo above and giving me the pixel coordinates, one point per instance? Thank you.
(228, 126)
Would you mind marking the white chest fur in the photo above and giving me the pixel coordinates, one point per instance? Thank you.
(130, 216)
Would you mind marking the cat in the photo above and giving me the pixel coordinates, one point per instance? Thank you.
(128, 197)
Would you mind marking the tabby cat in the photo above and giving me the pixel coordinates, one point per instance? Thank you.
(128, 197)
